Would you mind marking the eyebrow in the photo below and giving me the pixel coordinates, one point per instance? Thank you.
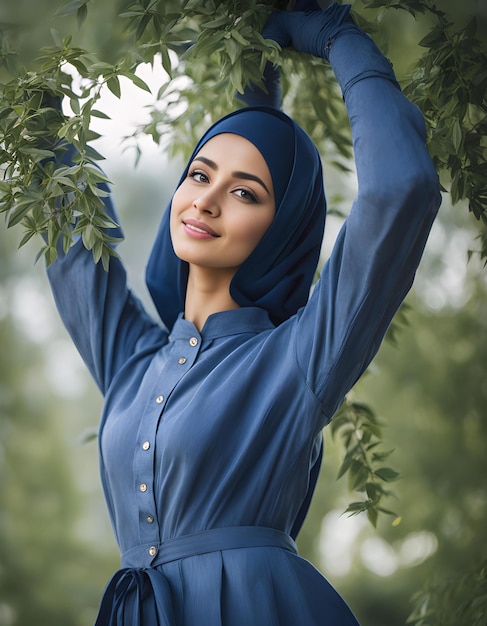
(238, 174)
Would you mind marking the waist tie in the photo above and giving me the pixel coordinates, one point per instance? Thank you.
(150, 594)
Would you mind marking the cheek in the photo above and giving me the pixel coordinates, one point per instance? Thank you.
(176, 201)
(252, 233)
(177, 204)
(173, 217)
(261, 224)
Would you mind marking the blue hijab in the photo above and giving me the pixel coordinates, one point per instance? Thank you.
(277, 276)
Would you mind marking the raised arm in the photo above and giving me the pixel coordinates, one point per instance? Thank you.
(106, 322)
(377, 252)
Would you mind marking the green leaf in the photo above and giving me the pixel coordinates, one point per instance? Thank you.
(359, 477)
(134, 11)
(19, 211)
(387, 474)
(41, 253)
(88, 236)
(434, 38)
(95, 174)
(372, 428)
(347, 461)
(74, 102)
(236, 77)
(216, 23)
(373, 491)
(100, 114)
(113, 84)
(457, 135)
(239, 38)
(166, 60)
(38, 153)
(382, 456)
(232, 49)
(50, 253)
(93, 154)
(138, 82)
(81, 15)
(71, 7)
(56, 37)
(100, 67)
(143, 24)
(98, 250)
(27, 237)
(354, 508)
(372, 515)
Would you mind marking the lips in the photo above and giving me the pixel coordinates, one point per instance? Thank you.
(199, 228)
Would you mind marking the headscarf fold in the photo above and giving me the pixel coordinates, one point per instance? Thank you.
(277, 275)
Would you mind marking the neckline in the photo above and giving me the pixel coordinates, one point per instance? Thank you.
(224, 323)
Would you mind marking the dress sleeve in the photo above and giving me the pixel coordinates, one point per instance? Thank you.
(271, 95)
(379, 247)
(107, 323)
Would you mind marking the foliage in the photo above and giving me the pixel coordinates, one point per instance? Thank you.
(449, 84)
(357, 425)
(458, 600)
(60, 200)
(210, 51)
(450, 87)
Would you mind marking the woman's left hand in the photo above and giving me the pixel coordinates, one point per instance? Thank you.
(307, 28)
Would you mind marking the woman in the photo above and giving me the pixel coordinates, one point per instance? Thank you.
(210, 437)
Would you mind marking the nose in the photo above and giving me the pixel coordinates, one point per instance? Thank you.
(208, 202)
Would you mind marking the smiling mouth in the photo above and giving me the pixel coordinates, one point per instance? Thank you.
(198, 230)
(201, 229)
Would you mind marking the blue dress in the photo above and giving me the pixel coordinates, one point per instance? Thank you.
(208, 439)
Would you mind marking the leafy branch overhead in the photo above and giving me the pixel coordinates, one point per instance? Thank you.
(210, 51)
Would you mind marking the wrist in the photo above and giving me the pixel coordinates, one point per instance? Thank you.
(353, 56)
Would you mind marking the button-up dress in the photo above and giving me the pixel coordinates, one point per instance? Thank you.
(208, 439)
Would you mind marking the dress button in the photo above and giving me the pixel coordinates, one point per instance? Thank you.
(182, 360)
(160, 399)
(152, 551)
(193, 341)
(146, 445)
(143, 487)
(150, 519)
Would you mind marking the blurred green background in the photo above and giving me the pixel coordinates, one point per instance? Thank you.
(56, 544)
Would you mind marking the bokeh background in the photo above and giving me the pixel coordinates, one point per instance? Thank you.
(429, 390)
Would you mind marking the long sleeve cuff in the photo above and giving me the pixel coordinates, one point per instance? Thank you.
(354, 56)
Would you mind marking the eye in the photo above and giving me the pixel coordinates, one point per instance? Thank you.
(246, 194)
(198, 176)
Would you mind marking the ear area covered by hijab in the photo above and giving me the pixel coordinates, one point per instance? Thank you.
(277, 276)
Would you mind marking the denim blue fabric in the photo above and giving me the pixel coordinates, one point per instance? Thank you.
(308, 30)
(222, 428)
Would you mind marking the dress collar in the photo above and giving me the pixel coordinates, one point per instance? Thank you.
(233, 322)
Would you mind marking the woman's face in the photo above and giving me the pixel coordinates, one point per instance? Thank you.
(224, 206)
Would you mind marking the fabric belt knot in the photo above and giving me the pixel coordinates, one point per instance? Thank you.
(150, 599)
(136, 595)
